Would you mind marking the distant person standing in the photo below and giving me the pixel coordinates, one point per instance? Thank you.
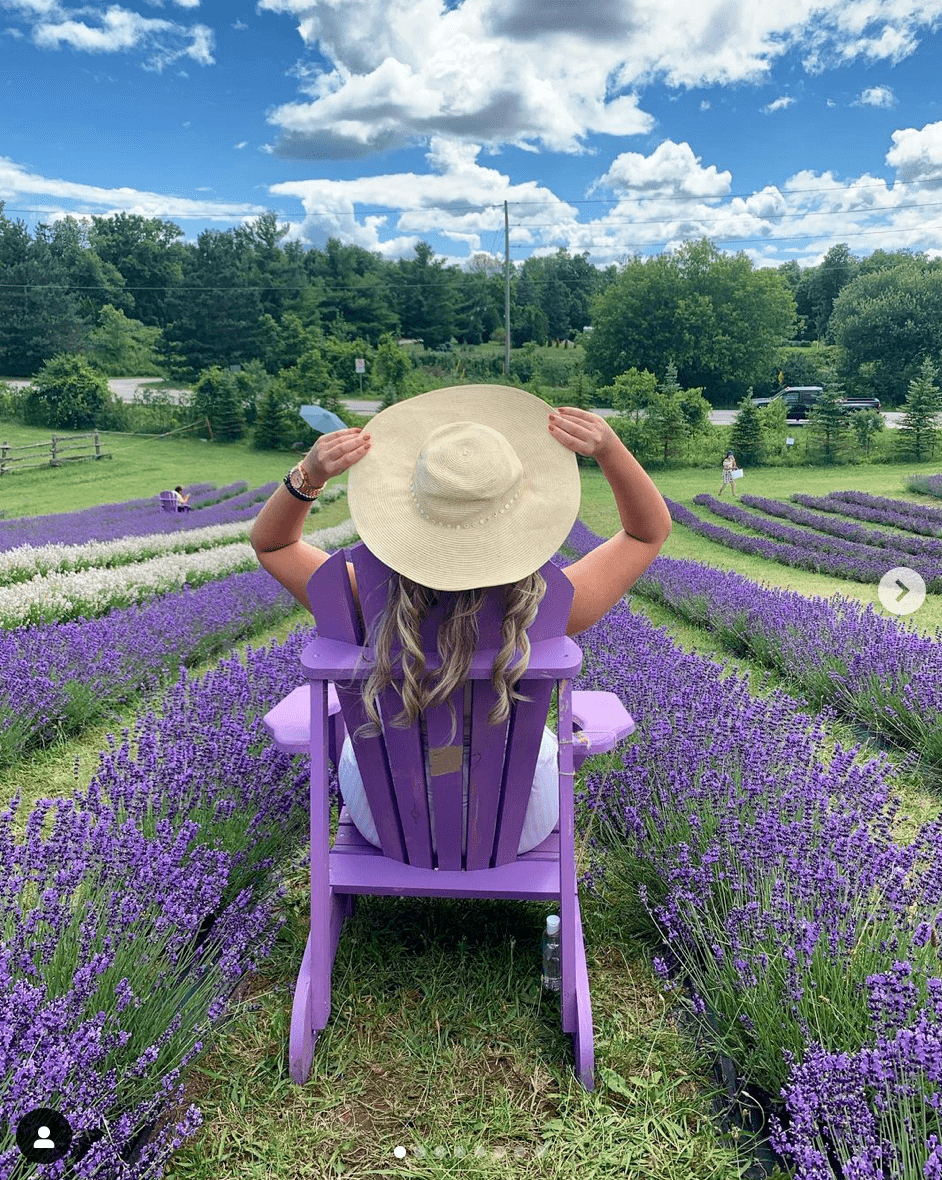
(729, 466)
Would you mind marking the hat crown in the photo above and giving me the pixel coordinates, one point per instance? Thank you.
(465, 474)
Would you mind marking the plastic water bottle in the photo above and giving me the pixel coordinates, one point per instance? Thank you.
(552, 967)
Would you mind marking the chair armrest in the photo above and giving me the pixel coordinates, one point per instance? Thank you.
(599, 721)
(289, 722)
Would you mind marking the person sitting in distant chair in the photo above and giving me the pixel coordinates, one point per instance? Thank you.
(182, 504)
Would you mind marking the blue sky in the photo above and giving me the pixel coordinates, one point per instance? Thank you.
(609, 126)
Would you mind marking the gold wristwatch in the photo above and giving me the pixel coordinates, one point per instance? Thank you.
(298, 484)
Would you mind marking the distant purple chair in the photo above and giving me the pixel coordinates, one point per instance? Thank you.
(170, 503)
(502, 765)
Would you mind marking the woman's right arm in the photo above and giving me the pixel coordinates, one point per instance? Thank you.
(606, 574)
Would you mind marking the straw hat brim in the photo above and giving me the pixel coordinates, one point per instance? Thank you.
(509, 546)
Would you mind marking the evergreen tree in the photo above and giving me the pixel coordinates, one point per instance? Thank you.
(216, 397)
(919, 426)
(746, 440)
(39, 313)
(271, 424)
(828, 426)
(581, 391)
(217, 311)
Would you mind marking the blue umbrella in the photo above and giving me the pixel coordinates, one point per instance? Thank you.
(322, 420)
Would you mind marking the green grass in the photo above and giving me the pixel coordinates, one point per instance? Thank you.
(141, 466)
(440, 1037)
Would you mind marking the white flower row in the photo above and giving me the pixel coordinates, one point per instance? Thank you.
(29, 561)
(58, 596)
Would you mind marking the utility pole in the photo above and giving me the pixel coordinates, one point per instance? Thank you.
(506, 291)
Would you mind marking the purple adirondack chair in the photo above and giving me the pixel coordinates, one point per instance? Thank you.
(480, 861)
(170, 503)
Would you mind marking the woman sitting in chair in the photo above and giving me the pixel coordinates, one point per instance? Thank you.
(457, 490)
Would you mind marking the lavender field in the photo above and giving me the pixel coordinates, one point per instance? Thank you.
(778, 900)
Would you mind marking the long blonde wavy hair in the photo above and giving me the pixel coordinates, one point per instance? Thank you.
(407, 607)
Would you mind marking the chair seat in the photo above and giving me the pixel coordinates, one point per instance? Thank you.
(356, 866)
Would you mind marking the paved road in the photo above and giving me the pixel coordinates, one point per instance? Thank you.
(126, 387)
(717, 417)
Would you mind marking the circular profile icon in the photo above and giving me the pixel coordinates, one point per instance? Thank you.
(43, 1136)
(902, 590)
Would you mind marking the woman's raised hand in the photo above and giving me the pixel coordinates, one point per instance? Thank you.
(582, 432)
(333, 453)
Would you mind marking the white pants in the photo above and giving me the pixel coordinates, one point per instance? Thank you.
(542, 809)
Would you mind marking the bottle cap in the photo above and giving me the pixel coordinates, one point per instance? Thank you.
(552, 924)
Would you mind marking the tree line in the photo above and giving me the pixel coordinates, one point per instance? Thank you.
(222, 299)
(130, 294)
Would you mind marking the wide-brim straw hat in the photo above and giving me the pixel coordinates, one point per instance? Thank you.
(464, 487)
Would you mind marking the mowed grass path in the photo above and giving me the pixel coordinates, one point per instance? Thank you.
(440, 1040)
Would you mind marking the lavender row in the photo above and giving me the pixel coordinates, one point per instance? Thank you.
(59, 677)
(904, 507)
(876, 510)
(931, 570)
(22, 530)
(781, 894)
(199, 809)
(856, 566)
(131, 518)
(843, 655)
(930, 485)
(823, 522)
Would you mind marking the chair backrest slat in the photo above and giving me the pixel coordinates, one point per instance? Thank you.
(486, 775)
(404, 766)
(445, 767)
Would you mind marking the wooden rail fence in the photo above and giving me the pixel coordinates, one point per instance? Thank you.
(56, 448)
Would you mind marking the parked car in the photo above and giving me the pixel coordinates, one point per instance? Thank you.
(860, 403)
(798, 400)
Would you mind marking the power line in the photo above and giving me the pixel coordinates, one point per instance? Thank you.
(367, 210)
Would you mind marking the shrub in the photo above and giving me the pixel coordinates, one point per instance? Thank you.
(68, 394)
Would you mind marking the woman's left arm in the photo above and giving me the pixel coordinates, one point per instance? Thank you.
(276, 534)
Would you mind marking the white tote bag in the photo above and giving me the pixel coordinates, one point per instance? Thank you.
(737, 473)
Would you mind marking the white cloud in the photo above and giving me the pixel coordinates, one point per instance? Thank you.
(671, 167)
(779, 104)
(459, 199)
(16, 182)
(917, 155)
(241, 145)
(547, 73)
(660, 201)
(877, 96)
(116, 30)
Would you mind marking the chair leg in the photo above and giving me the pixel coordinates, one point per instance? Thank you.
(308, 1018)
(583, 1040)
(576, 999)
